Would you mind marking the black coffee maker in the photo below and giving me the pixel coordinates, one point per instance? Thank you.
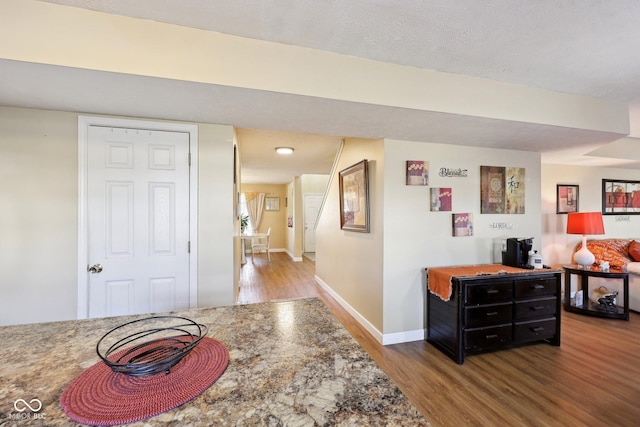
(516, 253)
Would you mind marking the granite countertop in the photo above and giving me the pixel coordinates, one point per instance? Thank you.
(291, 364)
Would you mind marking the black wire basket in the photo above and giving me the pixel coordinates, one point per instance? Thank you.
(150, 345)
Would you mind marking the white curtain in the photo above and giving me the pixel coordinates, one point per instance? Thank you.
(255, 203)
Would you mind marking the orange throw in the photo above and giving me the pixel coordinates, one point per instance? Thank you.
(439, 278)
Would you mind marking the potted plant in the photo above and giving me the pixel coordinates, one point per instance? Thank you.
(244, 221)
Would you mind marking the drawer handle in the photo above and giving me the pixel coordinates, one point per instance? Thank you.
(537, 307)
(492, 291)
(538, 286)
(537, 329)
(493, 313)
(491, 336)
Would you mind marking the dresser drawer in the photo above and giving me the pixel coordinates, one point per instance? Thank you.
(534, 330)
(480, 338)
(494, 311)
(489, 293)
(535, 287)
(488, 314)
(539, 307)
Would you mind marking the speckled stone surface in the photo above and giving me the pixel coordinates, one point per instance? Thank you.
(291, 364)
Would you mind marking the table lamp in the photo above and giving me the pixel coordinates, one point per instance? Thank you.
(585, 223)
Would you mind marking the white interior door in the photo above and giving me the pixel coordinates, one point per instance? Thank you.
(138, 220)
(312, 203)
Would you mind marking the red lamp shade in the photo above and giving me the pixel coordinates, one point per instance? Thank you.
(585, 223)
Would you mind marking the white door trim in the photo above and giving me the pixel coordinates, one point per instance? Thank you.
(83, 241)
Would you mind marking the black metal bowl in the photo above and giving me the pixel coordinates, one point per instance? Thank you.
(150, 345)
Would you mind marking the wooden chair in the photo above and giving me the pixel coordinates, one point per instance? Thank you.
(261, 244)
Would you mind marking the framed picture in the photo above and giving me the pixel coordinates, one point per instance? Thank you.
(440, 199)
(272, 203)
(492, 197)
(502, 190)
(462, 224)
(620, 197)
(567, 198)
(354, 197)
(417, 172)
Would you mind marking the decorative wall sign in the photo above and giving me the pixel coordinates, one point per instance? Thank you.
(462, 224)
(567, 198)
(453, 173)
(441, 199)
(620, 197)
(354, 197)
(502, 190)
(417, 172)
(501, 226)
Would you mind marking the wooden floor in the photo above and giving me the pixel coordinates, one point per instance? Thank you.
(592, 379)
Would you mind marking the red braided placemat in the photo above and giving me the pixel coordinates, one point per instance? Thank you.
(102, 397)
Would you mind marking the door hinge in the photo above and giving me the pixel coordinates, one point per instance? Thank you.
(189, 246)
(189, 159)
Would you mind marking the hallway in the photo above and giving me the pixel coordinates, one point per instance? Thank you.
(262, 281)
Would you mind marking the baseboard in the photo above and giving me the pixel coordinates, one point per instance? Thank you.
(352, 311)
(401, 337)
(293, 258)
(384, 339)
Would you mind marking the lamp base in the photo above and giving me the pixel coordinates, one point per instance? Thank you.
(584, 257)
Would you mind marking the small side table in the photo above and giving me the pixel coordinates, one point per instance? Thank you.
(588, 307)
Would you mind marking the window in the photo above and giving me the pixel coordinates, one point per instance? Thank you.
(245, 212)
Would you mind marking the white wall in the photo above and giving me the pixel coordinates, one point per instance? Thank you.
(294, 206)
(314, 183)
(380, 275)
(350, 263)
(557, 246)
(216, 216)
(416, 238)
(39, 215)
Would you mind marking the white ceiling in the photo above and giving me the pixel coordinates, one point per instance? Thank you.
(581, 47)
(267, 166)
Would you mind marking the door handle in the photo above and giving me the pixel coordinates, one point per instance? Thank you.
(95, 268)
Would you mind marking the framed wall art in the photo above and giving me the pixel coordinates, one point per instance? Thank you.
(502, 190)
(567, 198)
(272, 203)
(620, 197)
(417, 172)
(440, 199)
(462, 224)
(354, 197)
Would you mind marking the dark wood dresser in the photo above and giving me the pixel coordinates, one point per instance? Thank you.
(491, 307)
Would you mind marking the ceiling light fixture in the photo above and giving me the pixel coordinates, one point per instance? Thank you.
(284, 150)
